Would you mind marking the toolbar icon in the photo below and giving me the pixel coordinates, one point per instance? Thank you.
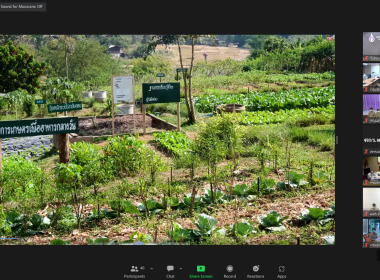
(201, 268)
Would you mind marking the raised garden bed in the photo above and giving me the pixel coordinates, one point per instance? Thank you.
(123, 124)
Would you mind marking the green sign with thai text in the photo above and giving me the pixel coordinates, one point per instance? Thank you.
(160, 93)
(180, 69)
(40, 101)
(160, 75)
(72, 106)
(35, 127)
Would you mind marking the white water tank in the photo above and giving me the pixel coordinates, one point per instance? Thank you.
(125, 109)
(100, 96)
(87, 94)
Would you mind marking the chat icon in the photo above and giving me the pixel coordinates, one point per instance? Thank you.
(170, 267)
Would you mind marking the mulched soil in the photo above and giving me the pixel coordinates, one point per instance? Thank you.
(123, 124)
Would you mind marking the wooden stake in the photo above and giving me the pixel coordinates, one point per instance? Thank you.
(64, 150)
(134, 104)
(1, 160)
(40, 112)
(143, 111)
(178, 118)
(113, 124)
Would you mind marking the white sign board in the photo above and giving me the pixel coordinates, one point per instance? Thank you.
(122, 89)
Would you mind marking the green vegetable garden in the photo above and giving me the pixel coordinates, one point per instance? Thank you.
(263, 176)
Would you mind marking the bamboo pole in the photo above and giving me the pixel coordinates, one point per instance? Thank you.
(143, 111)
(113, 124)
(178, 118)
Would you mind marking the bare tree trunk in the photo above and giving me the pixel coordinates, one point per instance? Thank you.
(64, 151)
(192, 111)
(67, 69)
(180, 60)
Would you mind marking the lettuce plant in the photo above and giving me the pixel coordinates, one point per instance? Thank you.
(272, 221)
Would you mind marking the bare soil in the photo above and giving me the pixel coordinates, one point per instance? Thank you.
(122, 124)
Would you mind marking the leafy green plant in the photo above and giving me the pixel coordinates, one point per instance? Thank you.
(206, 227)
(329, 240)
(175, 143)
(272, 221)
(139, 236)
(186, 203)
(317, 215)
(219, 197)
(242, 191)
(295, 180)
(243, 228)
(104, 213)
(178, 232)
(125, 206)
(266, 186)
(153, 206)
(59, 242)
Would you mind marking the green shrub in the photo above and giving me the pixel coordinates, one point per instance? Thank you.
(175, 143)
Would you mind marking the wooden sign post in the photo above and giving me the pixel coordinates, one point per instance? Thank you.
(161, 93)
(64, 148)
(34, 127)
(160, 75)
(39, 102)
(122, 92)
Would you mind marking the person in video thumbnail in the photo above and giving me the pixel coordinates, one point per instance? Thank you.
(373, 235)
(377, 114)
(374, 208)
(371, 113)
(371, 175)
(365, 77)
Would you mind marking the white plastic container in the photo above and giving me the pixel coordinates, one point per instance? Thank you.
(87, 94)
(100, 96)
(125, 109)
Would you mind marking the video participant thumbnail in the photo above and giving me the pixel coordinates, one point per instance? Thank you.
(371, 77)
(371, 108)
(371, 171)
(371, 202)
(371, 233)
(371, 46)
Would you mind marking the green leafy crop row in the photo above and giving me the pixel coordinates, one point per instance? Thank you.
(265, 117)
(272, 101)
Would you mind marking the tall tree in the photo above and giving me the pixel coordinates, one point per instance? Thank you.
(178, 40)
(18, 69)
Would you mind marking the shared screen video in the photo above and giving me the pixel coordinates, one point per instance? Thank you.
(169, 140)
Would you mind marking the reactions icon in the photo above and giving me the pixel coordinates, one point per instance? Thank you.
(256, 268)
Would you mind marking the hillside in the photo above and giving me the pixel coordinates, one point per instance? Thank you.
(213, 53)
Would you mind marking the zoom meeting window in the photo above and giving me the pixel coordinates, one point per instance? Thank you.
(168, 140)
